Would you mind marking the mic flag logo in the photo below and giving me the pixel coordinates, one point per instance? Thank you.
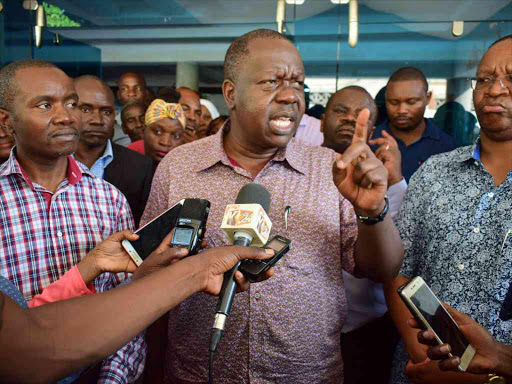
(248, 217)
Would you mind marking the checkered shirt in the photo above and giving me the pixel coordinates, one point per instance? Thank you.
(38, 244)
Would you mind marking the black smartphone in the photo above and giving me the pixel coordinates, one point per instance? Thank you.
(254, 269)
(152, 234)
(431, 314)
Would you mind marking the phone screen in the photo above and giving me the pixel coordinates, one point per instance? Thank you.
(183, 236)
(440, 320)
(152, 234)
(276, 245)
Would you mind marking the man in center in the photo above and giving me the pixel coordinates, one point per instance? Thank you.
(286, 330)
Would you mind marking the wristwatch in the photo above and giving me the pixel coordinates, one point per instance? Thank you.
(375, 219)
(494, 379)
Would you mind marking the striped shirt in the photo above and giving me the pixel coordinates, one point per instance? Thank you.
(44, 234)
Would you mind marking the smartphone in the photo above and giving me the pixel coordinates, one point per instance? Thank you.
(428, 311)
(152, 234)
(253, 269)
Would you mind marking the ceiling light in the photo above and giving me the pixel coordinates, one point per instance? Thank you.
(340, 1)
(295, 2)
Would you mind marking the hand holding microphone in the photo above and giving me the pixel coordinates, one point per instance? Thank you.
(244, 222)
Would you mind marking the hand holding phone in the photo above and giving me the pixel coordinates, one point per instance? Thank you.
(431, 314)
(254, 270)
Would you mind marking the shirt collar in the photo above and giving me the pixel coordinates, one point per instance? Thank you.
(13, 167)
(108, 155)
(468, 153)
(291, 153)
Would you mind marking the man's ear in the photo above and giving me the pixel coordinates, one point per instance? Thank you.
(5, 121)
(429, 96)
(228, 90)
(322, 122)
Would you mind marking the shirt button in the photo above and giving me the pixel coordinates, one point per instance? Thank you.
(59, 233)
(490, 194)
(257, 296)
(461, 267)
(476, 230)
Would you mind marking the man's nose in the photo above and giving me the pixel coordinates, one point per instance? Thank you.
(287, 94)
(62, 115)
(96, 118)
(165, 140)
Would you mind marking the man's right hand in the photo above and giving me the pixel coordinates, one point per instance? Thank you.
(486, 357)
(216, 261)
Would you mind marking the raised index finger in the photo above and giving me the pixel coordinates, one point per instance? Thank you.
(361, 132)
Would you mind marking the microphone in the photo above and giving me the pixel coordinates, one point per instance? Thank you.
(246, 222)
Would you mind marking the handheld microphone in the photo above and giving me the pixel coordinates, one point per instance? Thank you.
(246, 222)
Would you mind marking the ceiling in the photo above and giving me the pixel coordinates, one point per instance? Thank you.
(151, 36)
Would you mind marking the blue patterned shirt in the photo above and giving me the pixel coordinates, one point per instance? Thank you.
(456, 228)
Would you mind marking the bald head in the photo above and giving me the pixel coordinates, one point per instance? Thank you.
(339, 120)
(9, 88)
(91, 82)
(239, 51)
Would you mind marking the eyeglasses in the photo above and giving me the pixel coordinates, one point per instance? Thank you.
(482, 83)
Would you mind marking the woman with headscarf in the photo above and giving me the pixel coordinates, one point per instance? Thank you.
(165, 124)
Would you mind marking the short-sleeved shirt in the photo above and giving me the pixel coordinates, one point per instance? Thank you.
(432, 142)
(285, 329)
(456, 228)
(43, 234)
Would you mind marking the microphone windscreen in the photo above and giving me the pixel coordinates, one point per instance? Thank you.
(254, 194)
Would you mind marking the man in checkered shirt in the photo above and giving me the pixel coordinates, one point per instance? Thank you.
(52, 211)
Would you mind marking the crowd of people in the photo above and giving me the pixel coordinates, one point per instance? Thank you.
(370, 198)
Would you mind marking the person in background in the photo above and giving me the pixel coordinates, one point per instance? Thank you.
(132, 120)
(164, 127)
(455, 224)
(66, 210)
(216, 124)
(208, 113)
(190, 102)
(366, 318)
(454, 120)
(130, 172)
(309, 126)
(63, 337)
(407, 97)
(131, 88)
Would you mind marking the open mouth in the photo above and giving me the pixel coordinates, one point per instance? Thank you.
(282, 124)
